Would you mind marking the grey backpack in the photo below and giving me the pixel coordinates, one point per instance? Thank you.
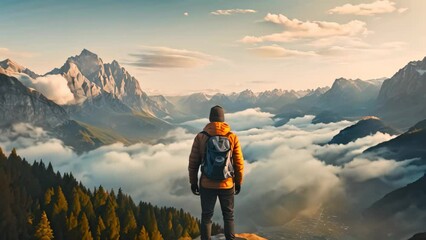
(217, 162)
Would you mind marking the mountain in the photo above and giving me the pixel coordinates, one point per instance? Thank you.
(88, 76)
(36, 201)
(246, 99)
(411, 144)
(402, 97)
(195, 105)
(21, 104)
(271, 101)
(406, 205)
(350, 97)
(365, 127)
(110, 114)
(9, 67)
(199, 104)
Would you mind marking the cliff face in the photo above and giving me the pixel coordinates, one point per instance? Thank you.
(20, 104)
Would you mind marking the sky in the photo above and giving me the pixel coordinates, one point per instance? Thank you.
(186, 46)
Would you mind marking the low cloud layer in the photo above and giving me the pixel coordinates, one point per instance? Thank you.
(367, 9)
(54, 87)
(164, 57)
(289, 169)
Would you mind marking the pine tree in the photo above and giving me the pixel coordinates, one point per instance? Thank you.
(100, 229)
(61, 204)
(112, 223)
(48, 196)
(156, 235)
(71, 222)
(75, 205)
(129, 225)
(100, 199)
(84, 229)
(142, 235)
(43, 230)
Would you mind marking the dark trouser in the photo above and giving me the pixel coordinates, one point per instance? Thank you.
(208, 201)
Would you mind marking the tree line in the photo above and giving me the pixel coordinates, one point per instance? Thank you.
(37, 203)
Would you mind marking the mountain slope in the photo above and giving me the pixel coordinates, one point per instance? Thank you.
(411, 144)
(110, 114)
(350, 97)
(405, 205)
(366, 126)
(401, 98)
(20, 104)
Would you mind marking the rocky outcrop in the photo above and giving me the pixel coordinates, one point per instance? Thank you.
(20, 104)
(10, 67)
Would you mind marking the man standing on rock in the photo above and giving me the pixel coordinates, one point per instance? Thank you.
(218, 152)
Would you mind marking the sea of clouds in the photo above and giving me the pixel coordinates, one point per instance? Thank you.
(289, 170)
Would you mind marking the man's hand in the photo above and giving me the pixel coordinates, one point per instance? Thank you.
(195, 190)
(237, 189)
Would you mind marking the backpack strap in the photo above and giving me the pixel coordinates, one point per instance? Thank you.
(206, 133)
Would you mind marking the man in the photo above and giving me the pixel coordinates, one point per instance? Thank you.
(211, 189)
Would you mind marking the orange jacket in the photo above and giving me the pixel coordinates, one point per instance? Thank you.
(198, 150)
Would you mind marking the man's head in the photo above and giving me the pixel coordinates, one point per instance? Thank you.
(217, 114)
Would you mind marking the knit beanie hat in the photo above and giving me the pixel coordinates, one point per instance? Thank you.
(217, 114)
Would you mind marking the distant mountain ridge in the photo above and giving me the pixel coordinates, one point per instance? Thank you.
(402, 97)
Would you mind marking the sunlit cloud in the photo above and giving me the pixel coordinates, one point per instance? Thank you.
(275, 51)
(165, 57)
(299, 30)
(54, 87)
(232, 11)
(367, 9)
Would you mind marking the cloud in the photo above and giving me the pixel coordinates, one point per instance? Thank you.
(367, 9)
(284, 177)
(54, 87)
(299, 30)
(164, 57)
(362, 169)
(232, 11)
(186, 14)
(275, 51)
